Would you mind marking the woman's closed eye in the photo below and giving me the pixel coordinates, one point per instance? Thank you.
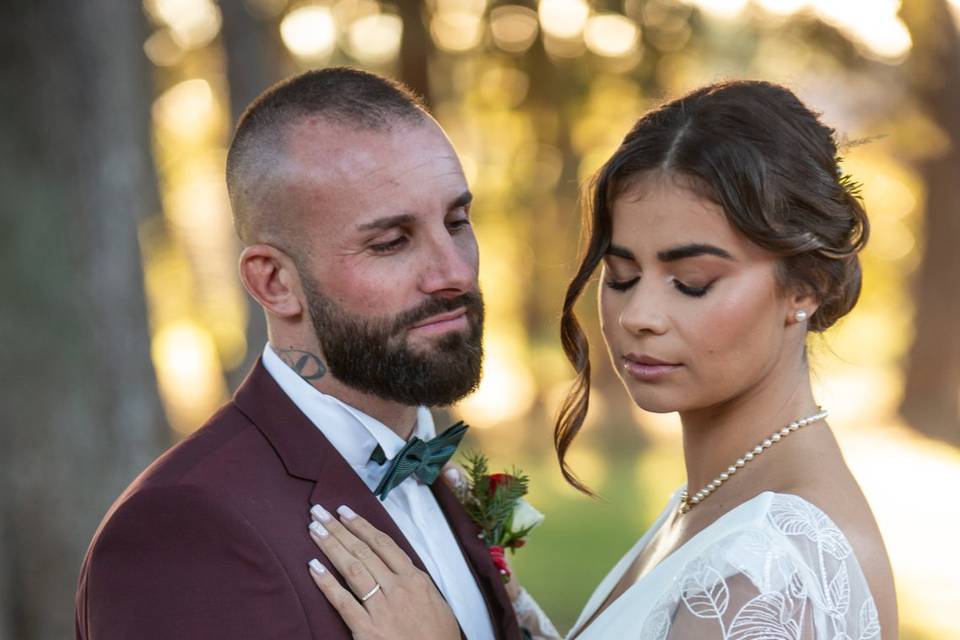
(686, 289)
(691, 290)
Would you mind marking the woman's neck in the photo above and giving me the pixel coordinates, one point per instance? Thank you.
(714, 437)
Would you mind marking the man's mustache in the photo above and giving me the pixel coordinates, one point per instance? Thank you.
(472, 301)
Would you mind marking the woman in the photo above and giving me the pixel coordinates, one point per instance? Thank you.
(725, 232)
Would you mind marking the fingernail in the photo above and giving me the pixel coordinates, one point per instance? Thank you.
(320, 513)
(346, 512)
(316, 567)
(318, 529)
(453, 475)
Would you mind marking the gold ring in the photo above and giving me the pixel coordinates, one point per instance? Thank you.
(369, 594)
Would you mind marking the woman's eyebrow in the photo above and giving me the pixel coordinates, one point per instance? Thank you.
(674, 253)
(691, 251)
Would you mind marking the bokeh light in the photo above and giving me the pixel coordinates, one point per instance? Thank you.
(563, 19)
(611, 35)
(309, 31)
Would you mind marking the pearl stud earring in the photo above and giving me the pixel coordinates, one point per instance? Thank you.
(800, 315)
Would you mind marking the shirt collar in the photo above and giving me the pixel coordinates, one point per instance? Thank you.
(353, 433)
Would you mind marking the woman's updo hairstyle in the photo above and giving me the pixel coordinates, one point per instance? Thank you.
(754, 149)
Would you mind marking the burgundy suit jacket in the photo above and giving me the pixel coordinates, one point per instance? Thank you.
(211, 540)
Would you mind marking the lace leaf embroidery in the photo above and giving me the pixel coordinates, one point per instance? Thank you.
(839, 590)
(795, 516)
(705, 593)
(656, 627)
(869, 620)
(769, 616)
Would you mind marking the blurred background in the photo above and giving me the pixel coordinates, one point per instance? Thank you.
(124, 325)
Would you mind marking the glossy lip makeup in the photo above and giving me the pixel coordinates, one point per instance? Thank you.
(647, 368)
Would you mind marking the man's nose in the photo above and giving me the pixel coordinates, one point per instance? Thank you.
(450, 266)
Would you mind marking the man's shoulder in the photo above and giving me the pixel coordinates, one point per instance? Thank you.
(201, 457)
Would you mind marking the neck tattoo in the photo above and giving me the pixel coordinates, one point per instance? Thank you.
(687, 502)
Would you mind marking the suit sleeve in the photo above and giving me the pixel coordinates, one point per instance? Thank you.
(176, 562)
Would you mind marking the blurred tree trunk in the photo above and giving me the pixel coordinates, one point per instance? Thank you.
(254, 61)
(933, 370)
(416, 47)
(81, 414)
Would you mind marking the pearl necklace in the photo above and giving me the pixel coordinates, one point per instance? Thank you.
(687, 503)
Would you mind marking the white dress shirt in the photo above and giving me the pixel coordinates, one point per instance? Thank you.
(411, 504)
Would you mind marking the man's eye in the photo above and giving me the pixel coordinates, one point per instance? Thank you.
(460, 223)
(387, 247)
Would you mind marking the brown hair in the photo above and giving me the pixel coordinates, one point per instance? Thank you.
(757, 151)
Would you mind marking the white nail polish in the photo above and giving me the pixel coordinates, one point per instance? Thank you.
(320, 513)
(453, 475)
(317, 568)
(319, 529)
(346, 512)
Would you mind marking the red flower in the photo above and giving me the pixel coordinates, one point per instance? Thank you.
(497, 555)
(497, 479)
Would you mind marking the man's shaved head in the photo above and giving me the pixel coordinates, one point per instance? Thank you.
(256, 160)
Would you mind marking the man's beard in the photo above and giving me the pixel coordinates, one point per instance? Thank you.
(372, 354)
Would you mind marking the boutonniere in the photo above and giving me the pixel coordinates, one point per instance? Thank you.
(495, 502)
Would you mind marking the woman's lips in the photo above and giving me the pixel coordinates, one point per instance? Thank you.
(647, 368)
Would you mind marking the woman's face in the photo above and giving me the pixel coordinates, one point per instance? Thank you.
(691, 310)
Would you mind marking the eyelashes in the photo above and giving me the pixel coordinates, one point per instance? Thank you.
(685, 289)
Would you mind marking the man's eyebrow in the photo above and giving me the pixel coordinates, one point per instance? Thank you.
(386, 222)
(462, 200)
(691, 251)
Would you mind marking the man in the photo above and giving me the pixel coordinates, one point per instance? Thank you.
(354, 213)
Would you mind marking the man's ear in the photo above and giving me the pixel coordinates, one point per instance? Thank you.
(271, 277)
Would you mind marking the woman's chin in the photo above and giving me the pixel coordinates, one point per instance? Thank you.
(653, 404)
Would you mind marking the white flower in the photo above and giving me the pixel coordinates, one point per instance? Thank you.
(525, 516)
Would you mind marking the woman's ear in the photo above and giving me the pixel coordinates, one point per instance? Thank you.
(271, 277)
(801, 305)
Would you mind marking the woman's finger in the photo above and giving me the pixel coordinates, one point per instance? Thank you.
(355, 546)
(359, 579)
(454, 475)
(382, 544)
(342, 600)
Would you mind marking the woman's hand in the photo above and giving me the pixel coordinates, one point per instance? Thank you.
(388, 596)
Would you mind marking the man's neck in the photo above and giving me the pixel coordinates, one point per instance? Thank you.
(400, 418)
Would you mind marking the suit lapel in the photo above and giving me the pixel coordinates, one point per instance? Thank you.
(484, 571)
(306, 453)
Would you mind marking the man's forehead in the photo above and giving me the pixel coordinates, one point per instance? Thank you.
(323, 149)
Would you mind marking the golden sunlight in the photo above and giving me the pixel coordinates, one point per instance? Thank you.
(193, 23)
(563, 19)
(507, 390)
(375, 39)
(188, 374)
(185, 109)
(720, 8)
(514, 27)
(457, 31)
(783, 7)
(309, 32)
(611, 35)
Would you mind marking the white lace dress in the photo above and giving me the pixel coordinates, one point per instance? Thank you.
(773, 568)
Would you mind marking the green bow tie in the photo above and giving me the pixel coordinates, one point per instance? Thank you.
(419, 458)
